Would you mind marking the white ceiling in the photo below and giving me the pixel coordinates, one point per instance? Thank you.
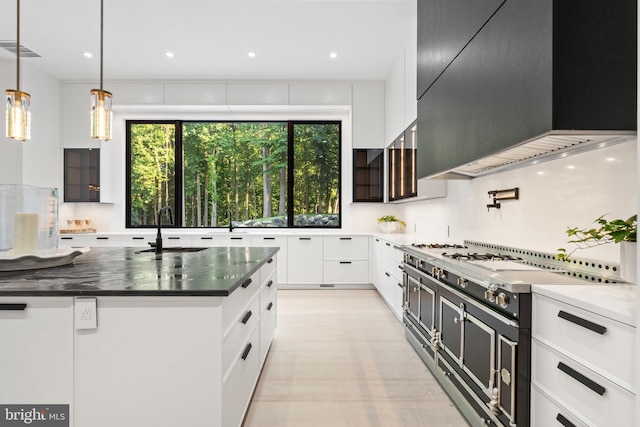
(211, 38)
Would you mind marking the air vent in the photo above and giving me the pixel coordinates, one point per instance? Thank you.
(25, 52)
(543, 148)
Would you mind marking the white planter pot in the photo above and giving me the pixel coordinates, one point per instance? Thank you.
(389, 227)
(629, 261)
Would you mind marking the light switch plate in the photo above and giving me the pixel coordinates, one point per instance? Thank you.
(85, 313)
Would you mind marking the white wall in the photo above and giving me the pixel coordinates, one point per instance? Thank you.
(37, 161)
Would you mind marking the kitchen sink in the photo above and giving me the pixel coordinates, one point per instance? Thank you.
(176, 249)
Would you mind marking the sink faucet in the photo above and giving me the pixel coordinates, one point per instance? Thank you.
(159, 223)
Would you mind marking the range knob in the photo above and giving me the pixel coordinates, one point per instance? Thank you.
(502, 300)
(489, 295)
(462, 282)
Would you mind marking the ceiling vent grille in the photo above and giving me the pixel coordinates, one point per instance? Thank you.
(25, 52)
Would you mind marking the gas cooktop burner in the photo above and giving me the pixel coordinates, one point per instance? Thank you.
(437, 246)
(480, 257)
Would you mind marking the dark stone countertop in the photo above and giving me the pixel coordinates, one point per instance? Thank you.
(105, 271)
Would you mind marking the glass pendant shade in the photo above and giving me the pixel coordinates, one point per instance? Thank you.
(18, 115)
(101, 114)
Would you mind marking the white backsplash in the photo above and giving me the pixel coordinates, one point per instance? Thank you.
(571, 191)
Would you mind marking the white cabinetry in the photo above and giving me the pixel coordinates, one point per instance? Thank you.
(583, 366)
(304, 264)
(275, 242)
(390, 276)
(368, 115)
(36, 360)
(345, 260)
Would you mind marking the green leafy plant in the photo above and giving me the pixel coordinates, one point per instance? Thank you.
(614, 231)
(392, 218)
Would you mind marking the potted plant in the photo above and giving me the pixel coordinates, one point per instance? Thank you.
(390, 223)
(614, 231)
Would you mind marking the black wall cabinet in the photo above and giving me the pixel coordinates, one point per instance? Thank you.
(81, 175)
(368, 175)
(402, 165)
(444, 28)
(534, 67)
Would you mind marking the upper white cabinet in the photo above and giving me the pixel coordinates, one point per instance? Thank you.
(136, 93)
(195, 94)
(257, 94)
(368, 115)
(320, 93)
(76, 126)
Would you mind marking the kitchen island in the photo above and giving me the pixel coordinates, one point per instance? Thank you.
(132, 338)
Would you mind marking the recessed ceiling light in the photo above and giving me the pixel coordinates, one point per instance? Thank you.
(87, 54)
(610, 159)
(169, 54)
(540, 173)
(251, 54)
(571, 167)
(333, 55)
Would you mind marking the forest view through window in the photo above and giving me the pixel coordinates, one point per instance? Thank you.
(254, 174)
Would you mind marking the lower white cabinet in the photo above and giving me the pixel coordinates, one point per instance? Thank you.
(345, 260)
(304, 263)
(388, 274)
(582, 366)
(36, 356)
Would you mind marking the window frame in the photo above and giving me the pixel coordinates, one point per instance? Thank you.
(179, 184)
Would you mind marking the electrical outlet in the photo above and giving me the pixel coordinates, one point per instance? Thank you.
(86, 313)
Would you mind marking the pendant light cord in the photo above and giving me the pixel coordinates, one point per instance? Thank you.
(101, 34)
(18, 49)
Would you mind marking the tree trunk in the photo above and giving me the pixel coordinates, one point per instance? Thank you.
(282, 205)
(266, 186)
(198, 201)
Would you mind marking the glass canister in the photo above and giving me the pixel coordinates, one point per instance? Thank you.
(28, 220)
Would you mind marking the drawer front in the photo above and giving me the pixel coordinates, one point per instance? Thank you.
(170, 240)
(239, 299)
(238, 385)
(137, 240)
(603, 345)
(583, 392)
(346, 247)
(391, 258)
(73, 241)
(345, 272)
(268, 322)
(268, 269)
(267, 291)
(239, 332)
(547, 412)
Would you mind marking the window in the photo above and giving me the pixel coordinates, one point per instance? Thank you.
(211, 173)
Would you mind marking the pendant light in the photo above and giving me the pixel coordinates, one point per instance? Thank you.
(101, 99)
(18, 114)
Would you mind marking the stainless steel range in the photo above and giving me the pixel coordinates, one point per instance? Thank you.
(467, 309)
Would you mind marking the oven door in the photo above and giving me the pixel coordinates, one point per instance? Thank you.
(421, 300)
(481, 345)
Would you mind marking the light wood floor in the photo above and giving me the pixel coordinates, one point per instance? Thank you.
(340, 358)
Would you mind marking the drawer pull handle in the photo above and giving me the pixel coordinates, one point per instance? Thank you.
(13, 307)
(137, 238)
(345, 238)
(587, 382)
(206, 238)
(582, 322)
(246, 317)
(305, 238)
(246, 283)
(268, 238)
(377, 240)
(270, 261)
(270, 283)
(236, 238)
(565, 422)
(102, 238)
(270, 306)
(66, 238)
(345, 262)
(388, 244)
(173, 238)
(387, 274)
(246, 351)
(400, 285)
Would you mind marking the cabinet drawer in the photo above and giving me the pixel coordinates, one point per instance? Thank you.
(137, 240)
(346, 247)
(268, 322)
(238, 384)
(239, 299)
(603, 345)
(268, 289)
(583, 392)
(547, 412)
(345, 272)
(239, 332)
(391, 258)
(267, 270)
